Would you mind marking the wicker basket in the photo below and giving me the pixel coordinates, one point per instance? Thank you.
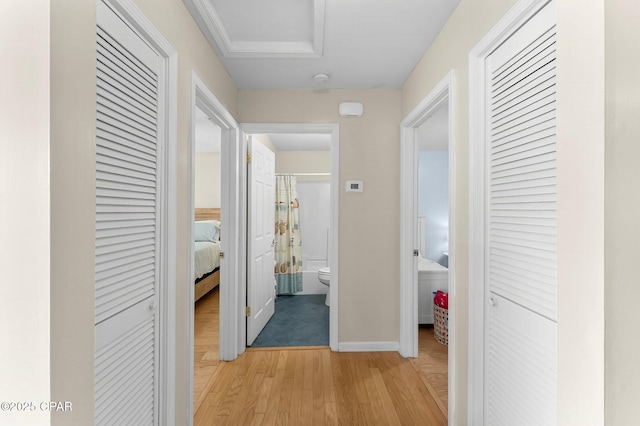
(441, 324)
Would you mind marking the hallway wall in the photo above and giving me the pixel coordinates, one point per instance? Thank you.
(369, 151)
(622, 210)
(24, 212)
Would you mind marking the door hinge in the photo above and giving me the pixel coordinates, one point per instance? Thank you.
(248, 158)
(248, 311)
(221, 255)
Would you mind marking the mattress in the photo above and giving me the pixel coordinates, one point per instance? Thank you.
(207, 257)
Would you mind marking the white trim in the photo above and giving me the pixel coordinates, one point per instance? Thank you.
(443, 91)
(513, 19)
(230, 302)
(207, 18)
(368, 346)
(334, 131)
(140, 24)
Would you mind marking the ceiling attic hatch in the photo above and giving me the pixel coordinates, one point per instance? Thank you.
(259, 29)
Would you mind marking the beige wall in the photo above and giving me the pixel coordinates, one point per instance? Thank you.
(24, 209)
(622, 211)
(580, 199)
(207, 180)
(73, 106)
(73, 189)
(304, 162)
(369, 151)
(469, 23)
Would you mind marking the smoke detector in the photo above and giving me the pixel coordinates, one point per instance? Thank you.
(321, 77)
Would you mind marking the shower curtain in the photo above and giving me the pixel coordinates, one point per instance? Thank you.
(288, 245)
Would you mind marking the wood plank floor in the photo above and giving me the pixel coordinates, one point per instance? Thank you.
(432, 364)
(206, 331)
(315, 385)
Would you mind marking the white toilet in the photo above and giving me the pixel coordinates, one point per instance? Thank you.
(324, 276)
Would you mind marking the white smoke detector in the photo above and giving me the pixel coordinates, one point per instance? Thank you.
(321, 77)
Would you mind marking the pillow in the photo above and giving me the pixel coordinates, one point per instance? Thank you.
(207, 230)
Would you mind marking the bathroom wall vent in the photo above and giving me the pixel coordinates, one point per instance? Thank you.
(351, 109)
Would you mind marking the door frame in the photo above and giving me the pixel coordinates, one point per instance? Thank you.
(520, 13)
(167, 175)
(332, 129)
(443, 91)
(230, 303)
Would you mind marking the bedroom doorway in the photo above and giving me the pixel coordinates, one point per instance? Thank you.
(213, 224)
(427, 241)
(305, 156)
(207, 206)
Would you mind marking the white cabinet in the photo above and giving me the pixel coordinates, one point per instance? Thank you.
(431, 278)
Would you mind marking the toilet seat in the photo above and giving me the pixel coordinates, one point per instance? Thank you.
(324, 276)
(324, 272)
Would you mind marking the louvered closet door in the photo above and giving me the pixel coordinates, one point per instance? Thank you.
(126, 225)
(520, 345)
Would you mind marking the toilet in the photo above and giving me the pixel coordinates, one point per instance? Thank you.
(324, 276)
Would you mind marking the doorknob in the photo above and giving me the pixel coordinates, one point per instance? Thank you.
(492, 301)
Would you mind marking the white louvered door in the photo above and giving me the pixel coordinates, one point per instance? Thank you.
(128, 155)
(520, 338)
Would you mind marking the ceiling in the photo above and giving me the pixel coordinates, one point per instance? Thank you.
(282, 44)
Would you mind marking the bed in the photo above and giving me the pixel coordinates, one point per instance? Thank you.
(207, 251)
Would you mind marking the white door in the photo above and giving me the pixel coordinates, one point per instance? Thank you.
(128, 193)
(520, 280)
(261, 217)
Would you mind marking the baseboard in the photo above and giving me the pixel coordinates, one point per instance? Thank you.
(368, 346)
(425, 319)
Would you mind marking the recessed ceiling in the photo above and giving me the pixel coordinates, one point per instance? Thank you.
(282, 44)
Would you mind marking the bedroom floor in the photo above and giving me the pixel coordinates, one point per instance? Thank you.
(206, 342)
(432, 365)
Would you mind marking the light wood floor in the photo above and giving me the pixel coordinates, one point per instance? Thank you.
(315, 385)
(432, 365)
(206, 330)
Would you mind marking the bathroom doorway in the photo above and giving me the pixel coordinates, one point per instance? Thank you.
(428, 241)
(305, 155)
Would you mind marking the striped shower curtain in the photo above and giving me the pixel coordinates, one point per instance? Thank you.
(288, 245)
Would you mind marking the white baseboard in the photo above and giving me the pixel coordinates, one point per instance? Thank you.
(368, 346)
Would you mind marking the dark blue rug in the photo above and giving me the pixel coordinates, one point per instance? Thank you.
(298, 321)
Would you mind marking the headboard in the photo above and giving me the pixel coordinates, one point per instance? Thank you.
(207, 213)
